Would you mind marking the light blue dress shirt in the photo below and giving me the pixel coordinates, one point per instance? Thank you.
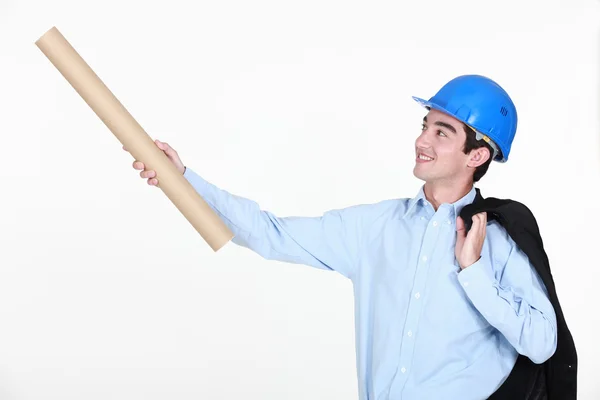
(424, 328)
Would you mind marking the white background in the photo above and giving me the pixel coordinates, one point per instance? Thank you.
(107, 292)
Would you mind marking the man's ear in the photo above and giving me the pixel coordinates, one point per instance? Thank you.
(478, 157)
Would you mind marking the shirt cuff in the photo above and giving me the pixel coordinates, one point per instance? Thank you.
(199, 183)
(479, 283)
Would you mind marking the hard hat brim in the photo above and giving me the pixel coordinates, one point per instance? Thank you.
(427, 103)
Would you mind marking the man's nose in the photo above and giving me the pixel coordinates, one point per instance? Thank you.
(423, 140)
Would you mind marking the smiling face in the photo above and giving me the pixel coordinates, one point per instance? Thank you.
(439, 151)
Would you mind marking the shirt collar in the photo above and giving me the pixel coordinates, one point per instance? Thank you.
(457, 206)
(413, 202)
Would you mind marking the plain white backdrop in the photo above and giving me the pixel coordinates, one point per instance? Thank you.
(107, 292)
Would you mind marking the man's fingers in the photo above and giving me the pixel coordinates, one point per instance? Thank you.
(479, 224)
(483, 223)
(460, 224)
(460, 233)
(148, 174)
(475, 226)
(151, 175)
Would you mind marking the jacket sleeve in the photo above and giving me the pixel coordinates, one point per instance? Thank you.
(515, 302)
(329, 241)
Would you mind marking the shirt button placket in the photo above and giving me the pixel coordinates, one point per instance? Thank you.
(414, 309)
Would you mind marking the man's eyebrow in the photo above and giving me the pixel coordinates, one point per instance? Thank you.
(445, 125)
(442, 124)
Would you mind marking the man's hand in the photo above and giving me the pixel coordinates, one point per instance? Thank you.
(468, 246)
(171, 155)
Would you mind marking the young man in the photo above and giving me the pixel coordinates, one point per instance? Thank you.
(440, 314)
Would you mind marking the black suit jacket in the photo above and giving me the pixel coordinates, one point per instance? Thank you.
(556, 379)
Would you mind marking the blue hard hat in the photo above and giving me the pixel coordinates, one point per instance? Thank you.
(482, 104)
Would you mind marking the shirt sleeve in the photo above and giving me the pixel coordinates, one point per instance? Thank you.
(517, 304)
(329, 241)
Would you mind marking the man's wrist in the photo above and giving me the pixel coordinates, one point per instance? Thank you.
(471, 263)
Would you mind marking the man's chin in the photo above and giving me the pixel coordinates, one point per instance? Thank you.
(418, 174)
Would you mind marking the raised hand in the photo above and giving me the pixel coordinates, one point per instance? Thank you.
(469, 245)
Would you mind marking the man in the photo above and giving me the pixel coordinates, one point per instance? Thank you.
(440, 314)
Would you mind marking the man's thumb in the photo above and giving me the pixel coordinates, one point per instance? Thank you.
(460, 228)
(160, 145)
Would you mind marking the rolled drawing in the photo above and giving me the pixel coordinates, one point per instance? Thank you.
(131, 135)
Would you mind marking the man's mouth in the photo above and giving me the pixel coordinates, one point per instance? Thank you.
(424, 158)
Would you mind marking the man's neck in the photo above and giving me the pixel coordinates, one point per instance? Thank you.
(438, 193)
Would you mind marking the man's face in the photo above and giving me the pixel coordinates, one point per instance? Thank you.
(439, 155)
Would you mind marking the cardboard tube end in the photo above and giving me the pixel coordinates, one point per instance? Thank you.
(46, 34)
(218, 246)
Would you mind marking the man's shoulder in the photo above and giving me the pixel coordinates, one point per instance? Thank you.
(510, 208)
(499, 237)
(511, 223)
(387, 208)
(513, 215)
(371, 214)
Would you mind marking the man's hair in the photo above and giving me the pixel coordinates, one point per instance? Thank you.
(471, 143)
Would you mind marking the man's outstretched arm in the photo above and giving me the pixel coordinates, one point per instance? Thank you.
(330, 241)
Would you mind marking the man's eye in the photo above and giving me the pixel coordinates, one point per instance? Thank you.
(441, 133)
(423, 127)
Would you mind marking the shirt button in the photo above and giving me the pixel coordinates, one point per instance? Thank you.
(434, 223)
(466, 284)
(424, 258)
(417, 295)
(403, 370)
(449, 222)
(409, 333)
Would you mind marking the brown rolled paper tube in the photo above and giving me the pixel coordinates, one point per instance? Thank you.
(131, 135)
